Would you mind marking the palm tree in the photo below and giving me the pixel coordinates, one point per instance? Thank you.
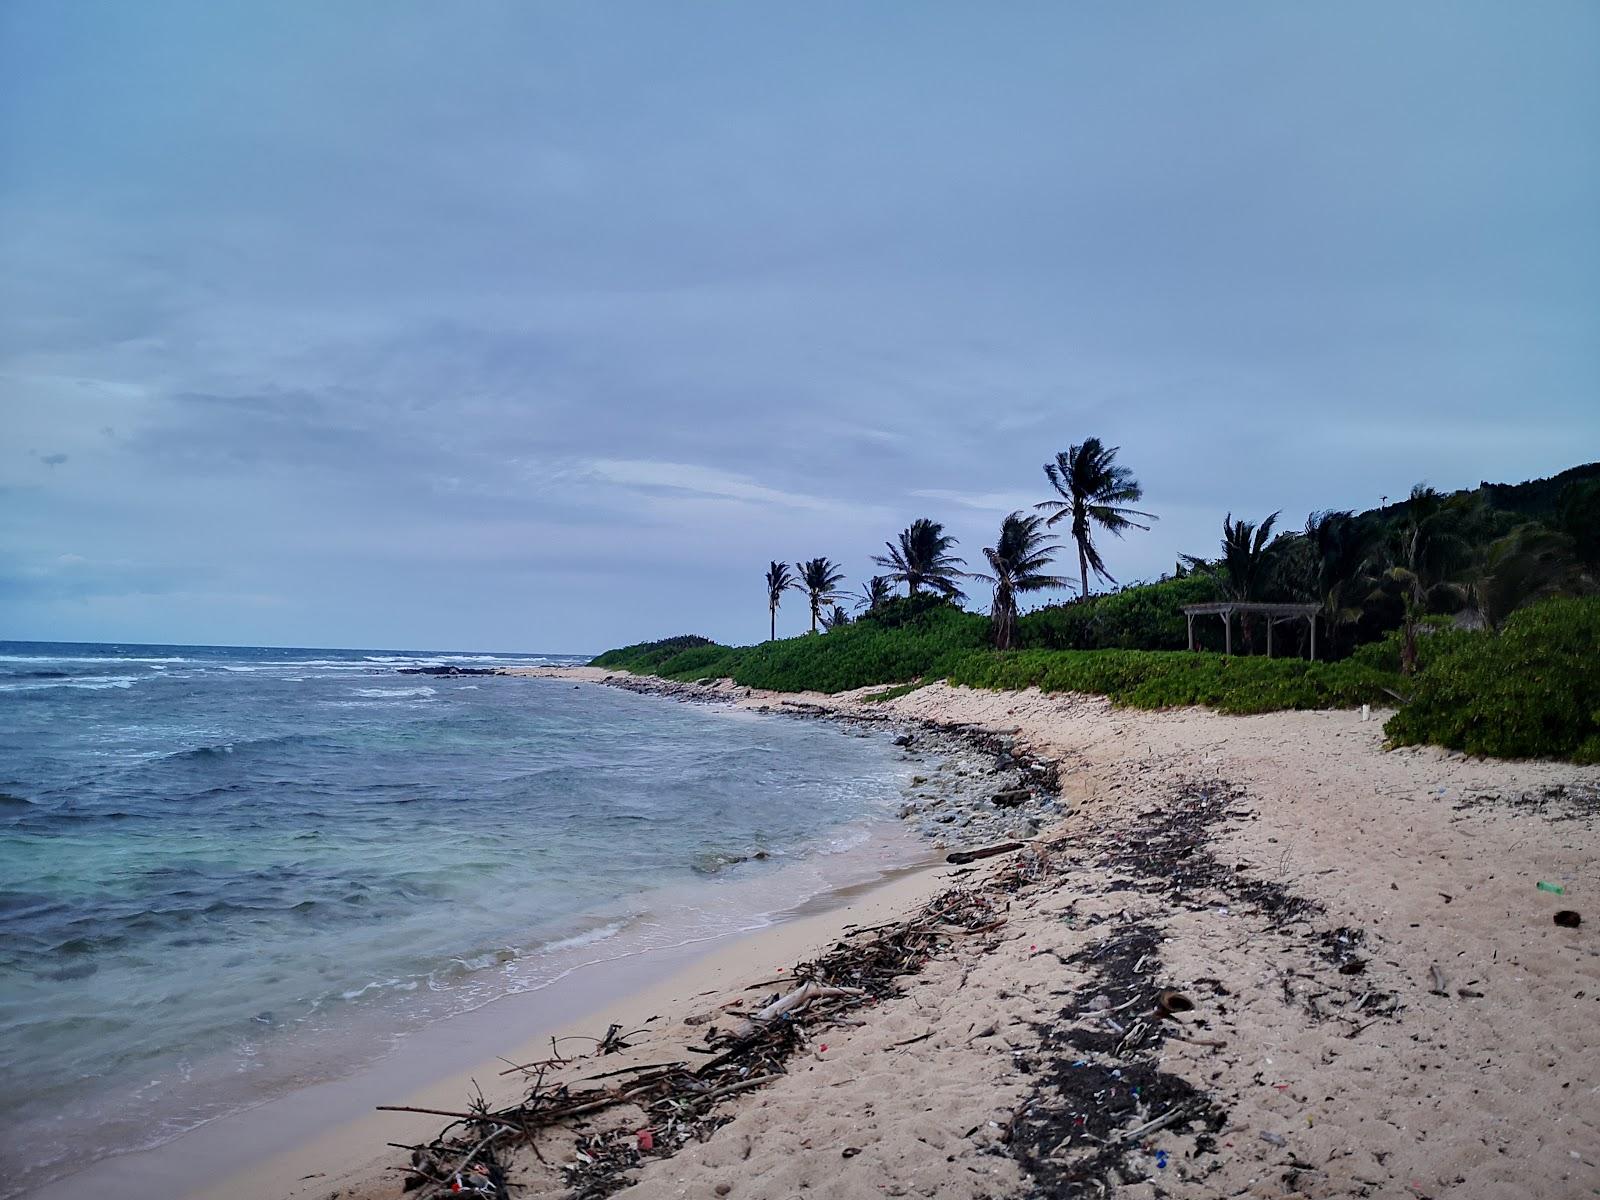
(1529, 563)
(923, 559)
(1418, 560)
(875, 595)
(1094, 491)
(1018, 560)
(1245, 565)
(819, 579)
(779, 581)
(1339, 551)
(833, 620)
(1245, 568)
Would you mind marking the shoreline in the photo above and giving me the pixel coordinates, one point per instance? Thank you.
(1381, 1004)
(232, 1145)
(319, 1124)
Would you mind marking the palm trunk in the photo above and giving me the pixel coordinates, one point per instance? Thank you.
(1083, 569)
(813, 614)
(773, 609)
(1408, 638)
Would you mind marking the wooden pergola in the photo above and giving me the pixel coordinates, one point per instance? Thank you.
(1276, 614)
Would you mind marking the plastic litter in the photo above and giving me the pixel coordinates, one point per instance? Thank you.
(1554, 889)
(647, 1139)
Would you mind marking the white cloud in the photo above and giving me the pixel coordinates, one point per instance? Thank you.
(705, 481)
(999, 503)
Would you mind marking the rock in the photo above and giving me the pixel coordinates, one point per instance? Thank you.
(1011, 798)
(909, 809)
(918, 780)
(905, 739)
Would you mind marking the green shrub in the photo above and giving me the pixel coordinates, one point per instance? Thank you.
(1167, 679)
(1530, 691)
(642, 657)
(909, 639)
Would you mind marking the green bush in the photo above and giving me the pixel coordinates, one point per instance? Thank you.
(1530, 691)
(642, 657)
(1167, 679)
(909, 639)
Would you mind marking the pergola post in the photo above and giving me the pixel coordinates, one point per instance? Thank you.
(1313, 619)
(1270, 624)
(1189, 619)
(1227, 636)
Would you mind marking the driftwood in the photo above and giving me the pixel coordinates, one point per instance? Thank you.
(794, 1002)
(965, 856)
(676, 1103)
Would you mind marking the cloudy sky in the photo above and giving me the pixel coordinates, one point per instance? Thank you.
(544, 327)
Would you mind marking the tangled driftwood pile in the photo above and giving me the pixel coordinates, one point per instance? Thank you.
(671, 1104)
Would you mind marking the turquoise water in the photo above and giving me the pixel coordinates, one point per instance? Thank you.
(225, 872)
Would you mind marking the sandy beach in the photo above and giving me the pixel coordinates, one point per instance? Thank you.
(1382, 1002)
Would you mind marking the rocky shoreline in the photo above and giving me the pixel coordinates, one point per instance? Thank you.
(976, 785)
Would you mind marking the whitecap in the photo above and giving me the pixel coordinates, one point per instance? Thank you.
(91, 683)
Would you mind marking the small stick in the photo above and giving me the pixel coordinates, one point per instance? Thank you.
(1161, 1122)
(434, 1112)
(743, 1085)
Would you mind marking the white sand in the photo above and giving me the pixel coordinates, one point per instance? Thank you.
(1491, 1095)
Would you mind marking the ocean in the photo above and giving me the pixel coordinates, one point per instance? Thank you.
(229, 872)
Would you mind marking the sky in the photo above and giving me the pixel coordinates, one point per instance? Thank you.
(544, 327)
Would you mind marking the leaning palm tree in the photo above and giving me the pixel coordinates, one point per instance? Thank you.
(1018, 560)
(1094, 491)
(923, 559)
(820, 579)
(779, 581)
(1529, 563)
(874, 595)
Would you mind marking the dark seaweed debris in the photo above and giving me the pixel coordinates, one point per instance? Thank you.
(1101, 1099)
(1554, 802)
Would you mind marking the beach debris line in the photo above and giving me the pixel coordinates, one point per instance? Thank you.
(665, 1106)
(1110, 1106)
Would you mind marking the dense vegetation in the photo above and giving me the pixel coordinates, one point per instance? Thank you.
(1531, 690)
(1477, 608)
(908, 638)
